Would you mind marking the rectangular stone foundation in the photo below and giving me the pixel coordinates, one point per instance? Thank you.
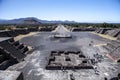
(68, 60)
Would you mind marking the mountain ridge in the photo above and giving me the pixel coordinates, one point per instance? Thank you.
(21, 21)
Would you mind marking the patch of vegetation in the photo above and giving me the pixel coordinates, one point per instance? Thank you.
(75, 25)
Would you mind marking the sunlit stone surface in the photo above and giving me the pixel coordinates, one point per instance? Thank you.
(11, 75)
(33, 67)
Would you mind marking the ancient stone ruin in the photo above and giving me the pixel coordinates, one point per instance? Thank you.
(68, 60)
(11, 52)
(62, 32)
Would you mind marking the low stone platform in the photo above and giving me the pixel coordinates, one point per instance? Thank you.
(67, 60)
(62, 36)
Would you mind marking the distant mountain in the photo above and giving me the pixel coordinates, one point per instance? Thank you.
(21, 21)
(31, 20)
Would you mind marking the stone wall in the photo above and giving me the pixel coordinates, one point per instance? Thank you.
(3, 34)
(83, 29)
(46, 29)
(16, 32)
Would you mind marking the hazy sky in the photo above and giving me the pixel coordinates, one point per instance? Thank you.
(77, 10)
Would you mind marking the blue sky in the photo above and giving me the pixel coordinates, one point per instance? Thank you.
(77, 10)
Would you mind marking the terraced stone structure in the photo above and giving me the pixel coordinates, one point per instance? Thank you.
(102, 30)
(114, 49)
(114, 32)
(11, 52)
(68, 60)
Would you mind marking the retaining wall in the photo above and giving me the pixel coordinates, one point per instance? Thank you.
(16, 32)
(83, 29)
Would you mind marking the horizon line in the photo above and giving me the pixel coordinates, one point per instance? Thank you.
(64, 20)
